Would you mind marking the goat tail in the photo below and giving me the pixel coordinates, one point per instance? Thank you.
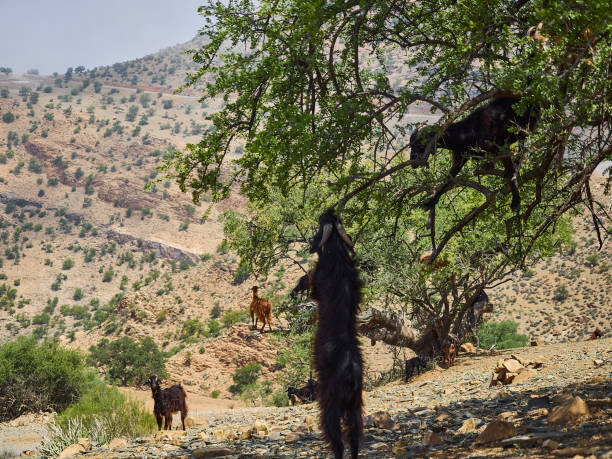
(340, 398)
(353, 416)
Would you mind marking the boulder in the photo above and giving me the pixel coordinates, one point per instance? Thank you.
(524, 376)
(432, 439)
(85, 443)
(512, 365)
(117, 443)
(260, 428)
(71, 451)
(245, 432)
(568, 412)
(381, 420)
(495, 431)
(468, 426)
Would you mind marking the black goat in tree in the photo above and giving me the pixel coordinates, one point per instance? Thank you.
(485, 131)
(336, 288)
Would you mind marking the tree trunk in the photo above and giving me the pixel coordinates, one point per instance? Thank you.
(375, 325)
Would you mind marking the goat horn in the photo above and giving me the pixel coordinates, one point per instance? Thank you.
(345, 237)
(327, 229)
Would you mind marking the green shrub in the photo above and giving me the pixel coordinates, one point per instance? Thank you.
(501, 334)
(103, 413)
(38, 377)
(76, 311)
(108, 275)
(214, 327)
(78, 294)
(241, 274)
(215, 393)
(41, 319)
(161, 316)
(127, 361)
(8, 117)
(245, 376)
(294, 357)
(561, 293)
(216, 311)
(232, 316)
(258, 394)
(67, 264)
(592, 260)
(35, 166)
(279, 398)
(192, 327)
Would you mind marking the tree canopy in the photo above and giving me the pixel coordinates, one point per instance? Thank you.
(125, 361)
(324, 95)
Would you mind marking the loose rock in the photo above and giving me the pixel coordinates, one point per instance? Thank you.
(432, 439)
(496, 430)
(117, 443)
(570, 411)
(203, 453)
(468, 426)
(71, 451)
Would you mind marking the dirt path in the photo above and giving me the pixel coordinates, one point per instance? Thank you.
(22, 434)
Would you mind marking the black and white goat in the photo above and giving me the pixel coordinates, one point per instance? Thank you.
(336, 288)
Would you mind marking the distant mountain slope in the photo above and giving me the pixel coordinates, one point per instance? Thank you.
(164, 70)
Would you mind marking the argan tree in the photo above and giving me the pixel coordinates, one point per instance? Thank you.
(324, 95)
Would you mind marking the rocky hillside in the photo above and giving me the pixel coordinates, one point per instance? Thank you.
(561, 407)
(568, 296)
(86, 253)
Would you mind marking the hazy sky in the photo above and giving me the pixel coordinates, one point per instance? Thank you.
(52, 35)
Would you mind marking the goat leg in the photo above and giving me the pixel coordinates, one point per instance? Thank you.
(183, 416)
(510, 174)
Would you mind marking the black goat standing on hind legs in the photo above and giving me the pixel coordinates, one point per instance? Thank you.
(484, 131)
(336, 288)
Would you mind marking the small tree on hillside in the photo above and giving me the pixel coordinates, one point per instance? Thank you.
(128, 362)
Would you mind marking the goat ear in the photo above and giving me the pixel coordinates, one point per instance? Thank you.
(345, 237)
(327, 229)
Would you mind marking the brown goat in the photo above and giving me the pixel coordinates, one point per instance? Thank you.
(167, 402)
(596, 334)
(260, 309)
(449, 350)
